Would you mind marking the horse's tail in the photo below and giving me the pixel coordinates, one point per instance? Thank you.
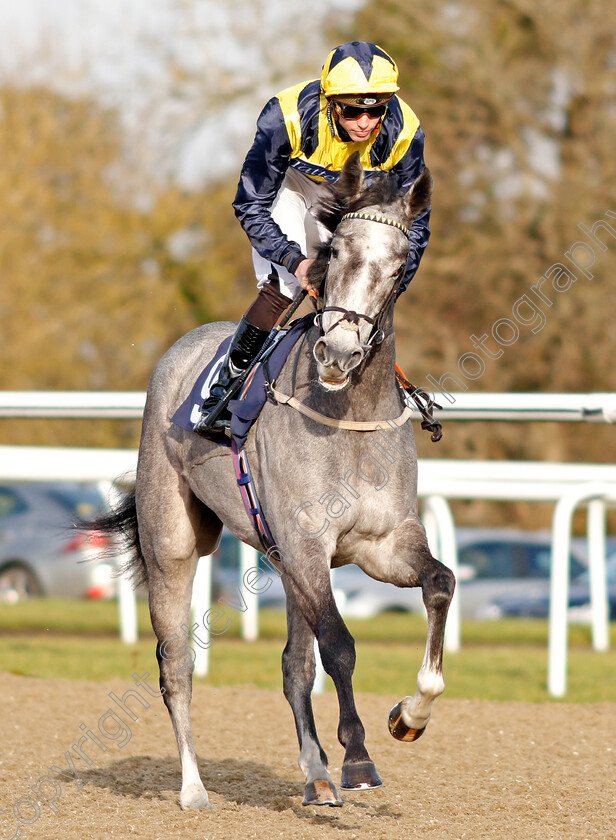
(121, 525)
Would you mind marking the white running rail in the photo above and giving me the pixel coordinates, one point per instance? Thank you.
(566, 485)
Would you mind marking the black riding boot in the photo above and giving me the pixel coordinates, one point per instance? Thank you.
(245, 345)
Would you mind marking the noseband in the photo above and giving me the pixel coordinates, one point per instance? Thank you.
(351, 319)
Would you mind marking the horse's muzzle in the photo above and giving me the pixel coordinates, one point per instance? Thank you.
(335, 362)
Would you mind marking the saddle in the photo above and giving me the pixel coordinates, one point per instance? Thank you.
(246, 408)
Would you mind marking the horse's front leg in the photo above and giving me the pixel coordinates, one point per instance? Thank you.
(412, 563)
(311, 588)
(298, 673)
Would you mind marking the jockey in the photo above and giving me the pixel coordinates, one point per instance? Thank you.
(304, 136)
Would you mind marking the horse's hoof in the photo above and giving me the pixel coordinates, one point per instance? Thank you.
(399, 729)
(195, 796)
(360, 776)
(321, 792)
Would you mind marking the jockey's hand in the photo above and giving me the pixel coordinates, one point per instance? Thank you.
(302, 276)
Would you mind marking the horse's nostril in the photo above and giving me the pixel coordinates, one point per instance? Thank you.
(352, 360)
(330, 358)
(320, 351)
(355, 359)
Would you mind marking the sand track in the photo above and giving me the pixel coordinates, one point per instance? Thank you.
(482, 770)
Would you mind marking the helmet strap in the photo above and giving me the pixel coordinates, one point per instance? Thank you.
(330, 117)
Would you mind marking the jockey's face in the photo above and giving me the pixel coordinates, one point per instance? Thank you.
(359, 128)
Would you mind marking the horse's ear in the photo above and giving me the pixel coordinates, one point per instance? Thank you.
(351, 181)
(336, 197)
(418, 198)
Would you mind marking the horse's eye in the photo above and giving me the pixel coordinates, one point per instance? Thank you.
(334, 254)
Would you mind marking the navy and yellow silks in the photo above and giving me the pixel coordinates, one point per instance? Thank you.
(293, 131)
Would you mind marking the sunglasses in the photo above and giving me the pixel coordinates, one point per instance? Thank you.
(354, 112)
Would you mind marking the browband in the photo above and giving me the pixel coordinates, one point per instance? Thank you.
(369, 217)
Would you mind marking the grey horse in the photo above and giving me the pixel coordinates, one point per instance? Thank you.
(331, 494)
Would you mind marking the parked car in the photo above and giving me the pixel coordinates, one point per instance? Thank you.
(490, 563)
(535, 602)
(41, 552)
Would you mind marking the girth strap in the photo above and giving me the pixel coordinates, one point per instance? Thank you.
(352, 425)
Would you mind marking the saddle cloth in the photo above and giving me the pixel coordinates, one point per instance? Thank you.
(244, 410)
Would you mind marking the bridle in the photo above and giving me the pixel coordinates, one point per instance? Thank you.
(422, 401)
(351, 319)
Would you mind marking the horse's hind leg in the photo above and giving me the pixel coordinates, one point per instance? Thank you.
(298, 673)
(172, 539)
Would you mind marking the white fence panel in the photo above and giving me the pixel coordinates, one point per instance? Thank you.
(581, 408)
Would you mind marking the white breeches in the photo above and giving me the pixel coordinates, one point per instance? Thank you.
(294, 212)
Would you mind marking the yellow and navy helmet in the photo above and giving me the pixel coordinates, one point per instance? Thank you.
(358, 71)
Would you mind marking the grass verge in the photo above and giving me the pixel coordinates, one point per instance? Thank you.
(504, 660)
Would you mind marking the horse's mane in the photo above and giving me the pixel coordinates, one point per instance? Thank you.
(342, 197)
